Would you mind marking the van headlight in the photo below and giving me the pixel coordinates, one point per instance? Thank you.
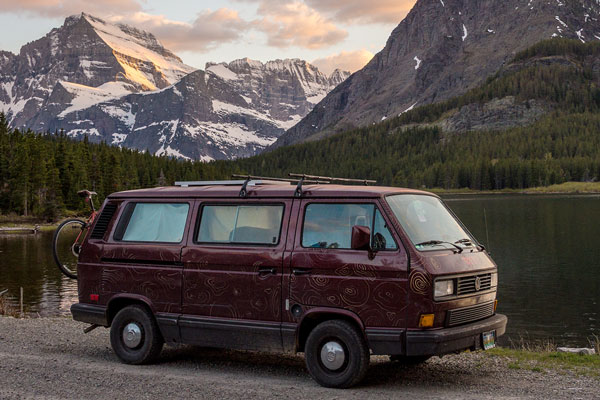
(443, 288)
(494, 280)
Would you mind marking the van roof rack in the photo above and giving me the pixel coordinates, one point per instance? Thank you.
(304, 178)
(254, 180)
(249, 178)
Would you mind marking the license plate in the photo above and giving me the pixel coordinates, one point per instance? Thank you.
(489, 340)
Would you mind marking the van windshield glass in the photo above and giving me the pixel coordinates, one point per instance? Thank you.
(427, 222)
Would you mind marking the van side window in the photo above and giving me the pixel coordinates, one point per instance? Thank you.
(252, 224)
(152, 222)
(330, 225)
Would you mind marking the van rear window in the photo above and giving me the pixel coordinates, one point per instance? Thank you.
(247, 224)
(152, 222)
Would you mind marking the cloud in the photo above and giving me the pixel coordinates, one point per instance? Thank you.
(208, 30)
(361, 11)
(346, 60)
(295, 24)
(352, 11)
(63, 8)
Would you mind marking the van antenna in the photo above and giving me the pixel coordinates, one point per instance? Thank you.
(487, 234)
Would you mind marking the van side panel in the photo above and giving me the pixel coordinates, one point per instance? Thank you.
(232, 292)
(372, 286)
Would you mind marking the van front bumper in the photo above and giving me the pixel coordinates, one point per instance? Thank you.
(435, 342)
(450, 340)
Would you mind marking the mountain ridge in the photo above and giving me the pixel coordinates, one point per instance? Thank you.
(117, 83)
(440, 50)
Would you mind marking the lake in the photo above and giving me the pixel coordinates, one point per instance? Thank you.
(546, 248)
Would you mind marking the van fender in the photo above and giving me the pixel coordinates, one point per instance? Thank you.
(120, 300)
(314, 316)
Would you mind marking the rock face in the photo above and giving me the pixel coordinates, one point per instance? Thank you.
(497, 114)
(118, 84)
(440, 50)
(84, 61)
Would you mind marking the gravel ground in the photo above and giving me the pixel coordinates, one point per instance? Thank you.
(52, 358)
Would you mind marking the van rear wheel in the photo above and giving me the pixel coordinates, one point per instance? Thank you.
(134, 336)
(336, 354)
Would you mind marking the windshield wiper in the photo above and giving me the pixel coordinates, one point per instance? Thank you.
(464, 241)
(438, 242)
(472, 243)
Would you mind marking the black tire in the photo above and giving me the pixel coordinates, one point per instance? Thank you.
(356, 354)
(409, 360)
(151, 341)
(67, 263)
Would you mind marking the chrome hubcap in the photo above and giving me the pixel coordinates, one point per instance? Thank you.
(132, 335)
(332, 355)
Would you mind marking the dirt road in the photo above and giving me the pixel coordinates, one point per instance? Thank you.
(52, 358)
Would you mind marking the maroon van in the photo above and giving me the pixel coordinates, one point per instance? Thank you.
(337, 272)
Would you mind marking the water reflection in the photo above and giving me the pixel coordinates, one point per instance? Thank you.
(26, 261)
(545, 248)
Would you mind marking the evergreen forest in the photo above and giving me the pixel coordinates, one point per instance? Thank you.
(40, 173)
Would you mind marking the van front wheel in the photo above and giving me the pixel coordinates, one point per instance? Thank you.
(134, 336)
(336, 354)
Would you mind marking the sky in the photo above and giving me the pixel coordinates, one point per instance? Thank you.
(329, 33)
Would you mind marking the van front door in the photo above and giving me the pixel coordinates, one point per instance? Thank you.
(327, 274)
(233, 273)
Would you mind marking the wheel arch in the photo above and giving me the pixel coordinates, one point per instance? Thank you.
(315, 316)
(118, 302)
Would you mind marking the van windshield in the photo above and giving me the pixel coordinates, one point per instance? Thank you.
(427, 222)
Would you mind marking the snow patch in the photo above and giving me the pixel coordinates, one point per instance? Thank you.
(125, 116)
(465, 33)
(118, 138)
(419, 61)
(170, 152)
(223, 72)
(562, 23)
(408, 109)
(580, 35)
(87, 96)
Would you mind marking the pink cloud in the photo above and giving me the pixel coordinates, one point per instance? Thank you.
(295, 24)
(361, 11)
(346, 60)
(63, 8)
(208, 30)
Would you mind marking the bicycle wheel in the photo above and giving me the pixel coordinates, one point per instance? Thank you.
(67, 242)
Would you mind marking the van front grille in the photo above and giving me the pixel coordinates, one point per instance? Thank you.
(473, 284)
(470, 314)
(103, 220)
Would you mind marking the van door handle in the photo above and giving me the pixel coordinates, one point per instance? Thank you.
(301, 271)
(262, 271)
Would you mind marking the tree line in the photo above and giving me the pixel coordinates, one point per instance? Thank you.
(40, 173)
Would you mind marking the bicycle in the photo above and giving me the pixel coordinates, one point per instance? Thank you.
(69, 236)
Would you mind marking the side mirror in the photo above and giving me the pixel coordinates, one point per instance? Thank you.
(361, 238)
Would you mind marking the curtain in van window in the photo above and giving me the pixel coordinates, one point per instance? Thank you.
(157, 222)
(252, 224)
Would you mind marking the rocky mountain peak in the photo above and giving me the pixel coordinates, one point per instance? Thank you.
(440, 50)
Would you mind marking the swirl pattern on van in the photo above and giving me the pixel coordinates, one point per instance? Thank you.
(420, 282)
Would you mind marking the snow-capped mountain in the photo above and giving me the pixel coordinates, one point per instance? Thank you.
(440, 50)
(118, 84)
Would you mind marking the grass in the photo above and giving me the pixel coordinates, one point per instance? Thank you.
(6, 309)
(568, 187)
(540, 356)
(563, 188)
